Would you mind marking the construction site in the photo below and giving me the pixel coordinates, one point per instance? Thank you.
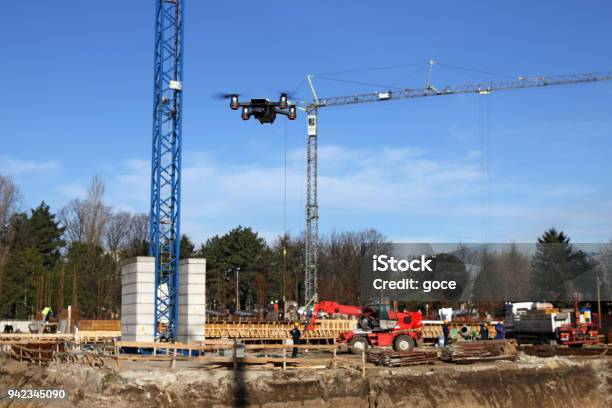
(110, 306)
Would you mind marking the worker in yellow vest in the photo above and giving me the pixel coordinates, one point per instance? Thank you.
(45, 313)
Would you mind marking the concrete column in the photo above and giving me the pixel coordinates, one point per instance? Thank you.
(138, 299)
(192, 300)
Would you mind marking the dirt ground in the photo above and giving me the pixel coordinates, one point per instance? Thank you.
(530, 382)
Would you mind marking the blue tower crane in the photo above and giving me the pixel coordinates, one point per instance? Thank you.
(164, 231)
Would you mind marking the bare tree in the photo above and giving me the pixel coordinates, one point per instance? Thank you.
(73, 217)
(117, 232)
(138, 235)
(340, 264)
(85, 220)
(9, 198)
(98, 212)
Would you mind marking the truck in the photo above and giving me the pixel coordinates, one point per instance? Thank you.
(377, 326)
(540, 323)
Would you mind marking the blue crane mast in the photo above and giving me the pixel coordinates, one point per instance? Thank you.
(164, 230)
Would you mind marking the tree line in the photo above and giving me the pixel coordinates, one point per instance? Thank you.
(73, 257)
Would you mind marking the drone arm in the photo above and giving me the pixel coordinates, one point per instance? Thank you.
(290, 112)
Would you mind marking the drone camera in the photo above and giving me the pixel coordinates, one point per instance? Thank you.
(234, 102)
(245, 113)
(283, 101)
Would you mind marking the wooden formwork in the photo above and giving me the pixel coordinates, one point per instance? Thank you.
(97, 336)
(331, 328)
(79, 337)
(94, 330)
(255, 330)
(100, 325)
(276, 330)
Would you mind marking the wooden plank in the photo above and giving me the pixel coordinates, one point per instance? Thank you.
(215, 346)
(37, 336)
(287, 346)
(140, 357)
(258, 360)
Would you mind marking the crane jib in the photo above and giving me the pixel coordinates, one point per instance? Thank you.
(478, 88)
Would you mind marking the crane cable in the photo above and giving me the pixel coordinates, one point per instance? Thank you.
(484, 126)
(285, 235)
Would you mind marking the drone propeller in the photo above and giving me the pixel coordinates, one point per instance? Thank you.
(223, 95)
(289, 94)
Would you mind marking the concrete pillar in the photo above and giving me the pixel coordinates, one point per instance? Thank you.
(137, 299)
(192, 300)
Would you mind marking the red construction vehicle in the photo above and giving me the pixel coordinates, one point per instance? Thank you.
(378, 326)
(581, 331)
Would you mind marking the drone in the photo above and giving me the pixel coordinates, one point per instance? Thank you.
(264, 110)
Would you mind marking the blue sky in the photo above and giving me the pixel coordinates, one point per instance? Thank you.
(77, 101)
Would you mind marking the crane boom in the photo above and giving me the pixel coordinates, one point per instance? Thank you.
(478, 88)
(312, 108)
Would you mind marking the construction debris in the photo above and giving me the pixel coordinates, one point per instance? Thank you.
(391, 358)
(469, 352)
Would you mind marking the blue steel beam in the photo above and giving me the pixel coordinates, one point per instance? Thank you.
(164, 230)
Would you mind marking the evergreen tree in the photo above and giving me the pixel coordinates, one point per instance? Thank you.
(17, 295)
(240, 248)
(555, 264)
(187, 247)
(46, 235)
(24, 284)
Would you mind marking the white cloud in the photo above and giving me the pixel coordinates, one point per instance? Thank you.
(217, 196)
(15, 167)
(356, 187)
(72, 190)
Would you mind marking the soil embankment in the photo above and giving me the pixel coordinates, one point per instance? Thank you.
(534, 382)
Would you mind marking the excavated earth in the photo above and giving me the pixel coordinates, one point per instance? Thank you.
(530, 382)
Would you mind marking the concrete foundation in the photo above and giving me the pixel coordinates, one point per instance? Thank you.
(138, 299)
(192, 300)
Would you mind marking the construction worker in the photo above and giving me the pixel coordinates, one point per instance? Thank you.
(45, 314)
(295, 336)
(445, 332)
(500, 332)
(484, 332)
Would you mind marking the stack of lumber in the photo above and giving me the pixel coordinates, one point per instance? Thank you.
(391, 358)
(472, 351)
